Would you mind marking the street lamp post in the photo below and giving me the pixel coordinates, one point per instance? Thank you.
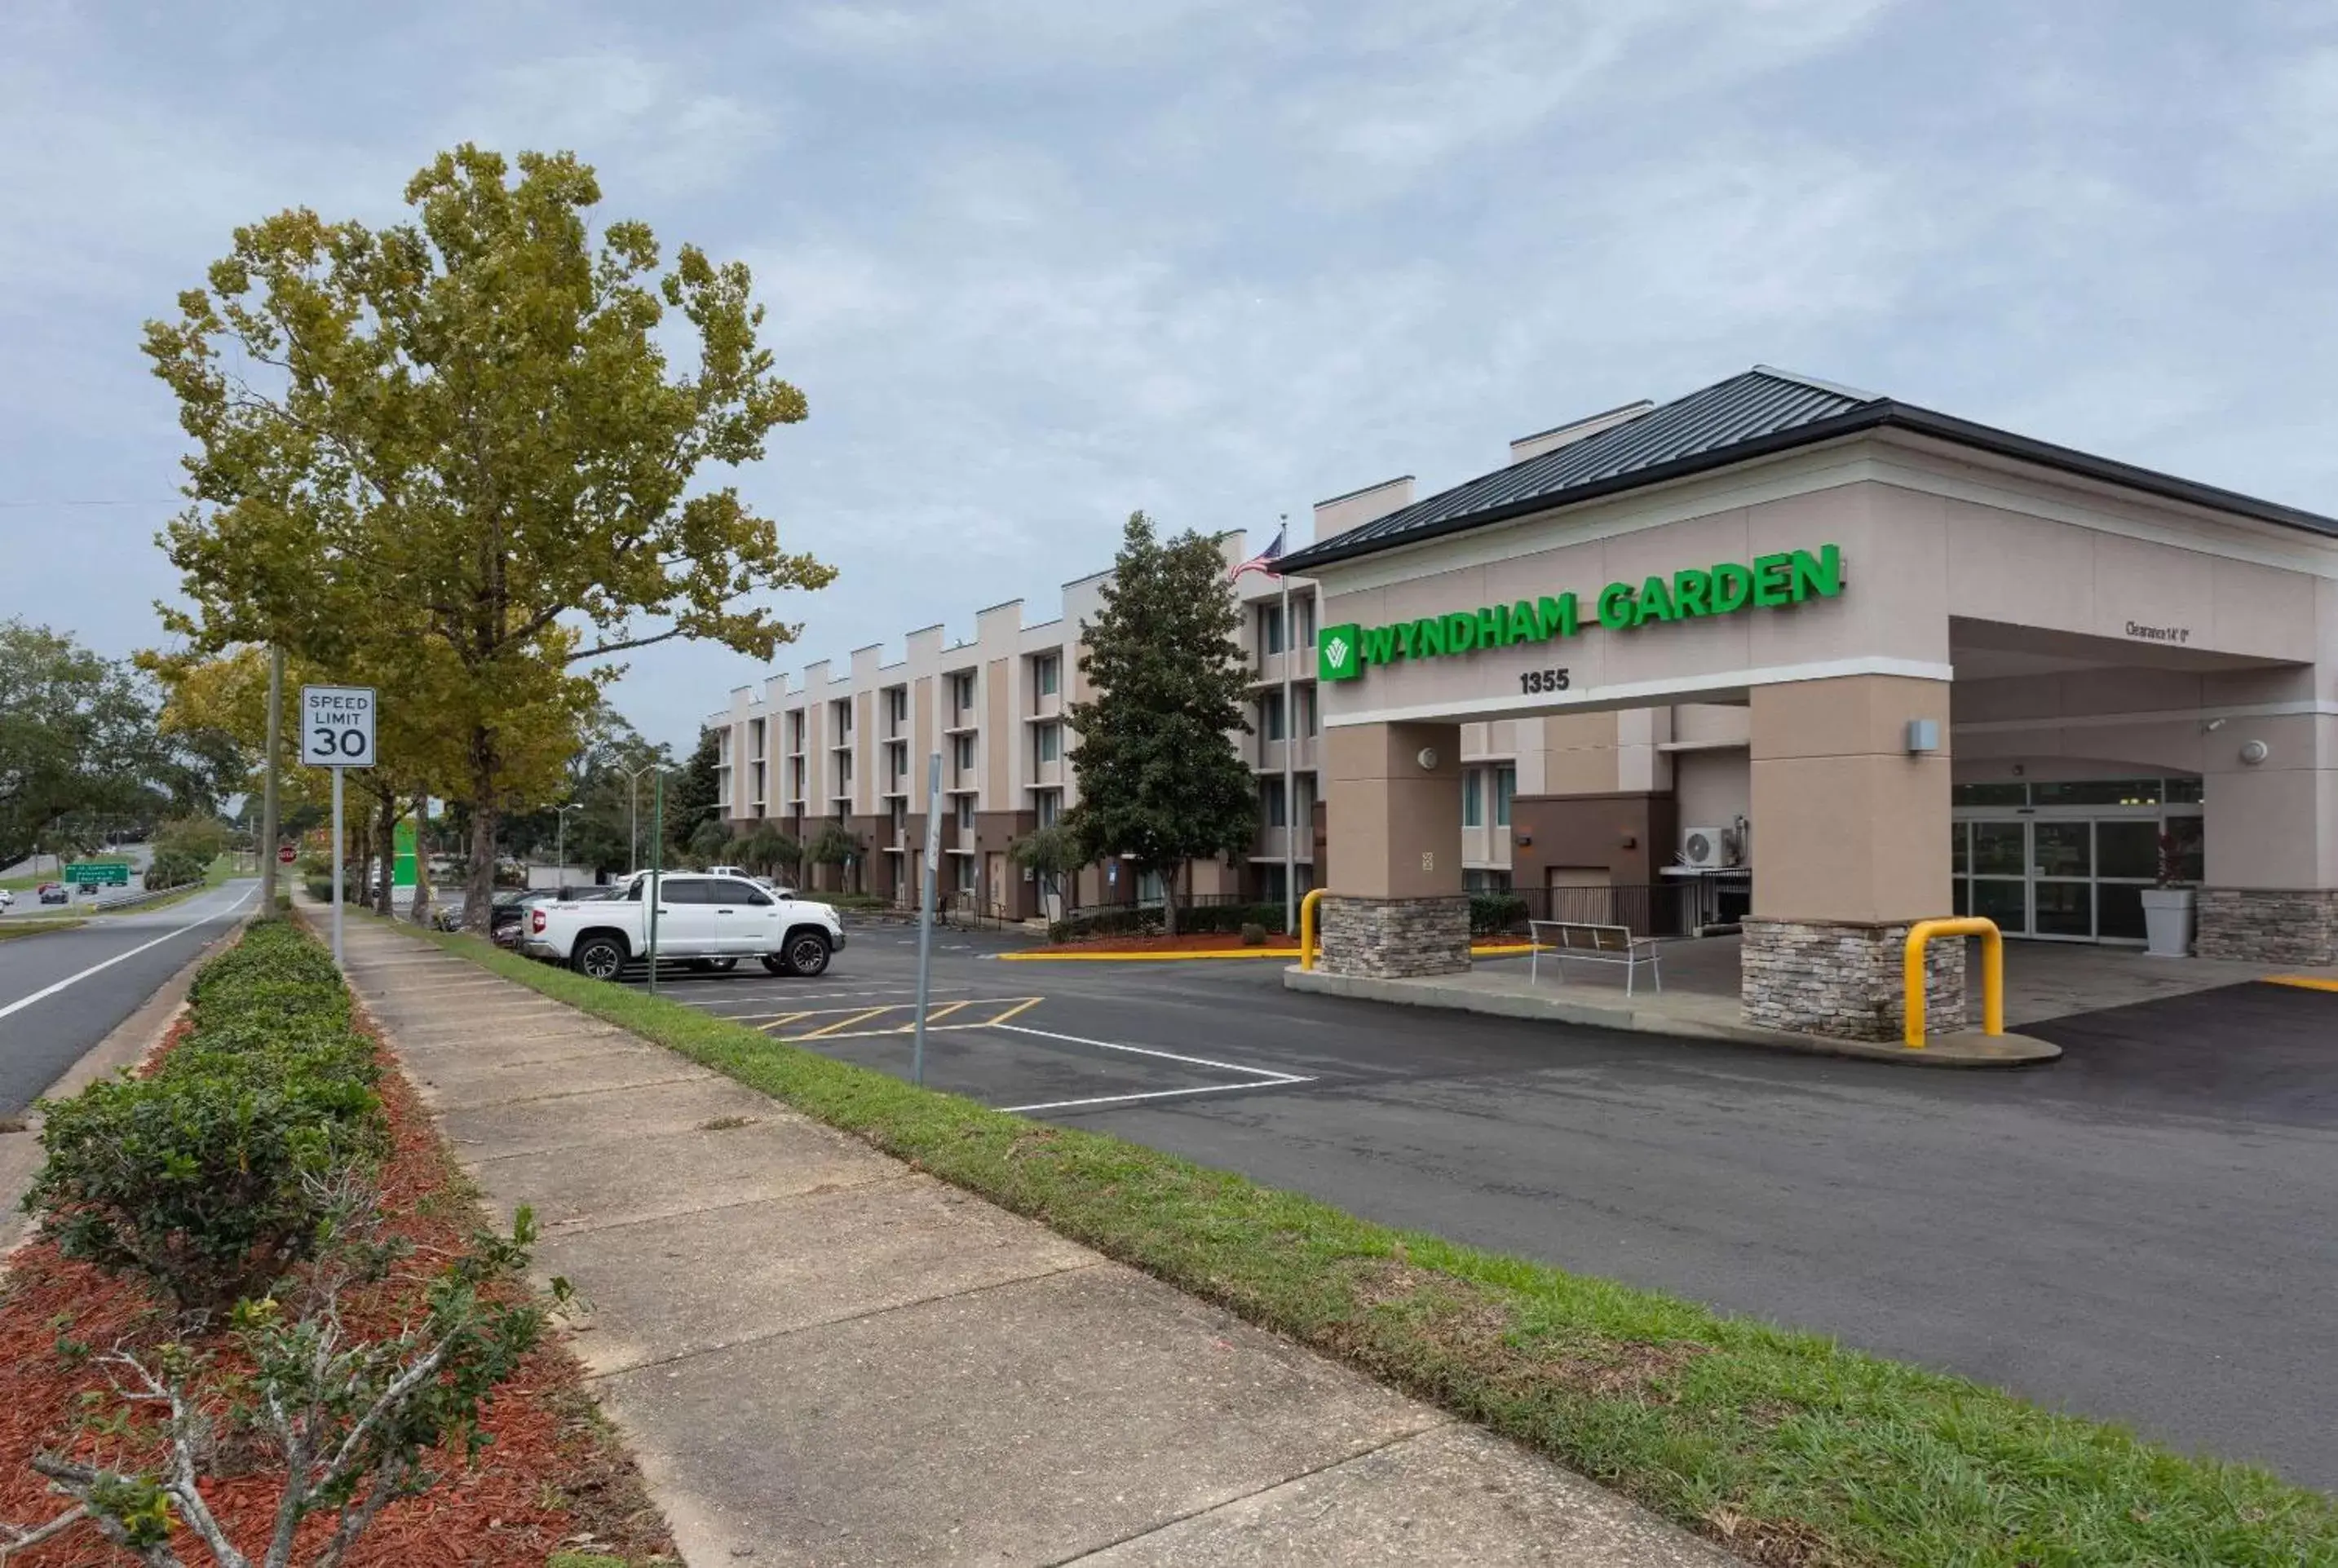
(560, 839)
(634, 814)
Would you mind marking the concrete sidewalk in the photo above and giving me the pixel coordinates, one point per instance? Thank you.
(821, 1356)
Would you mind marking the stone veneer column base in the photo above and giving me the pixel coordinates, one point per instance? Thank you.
(1845, 979)
(2268, 925)
(1394, 939)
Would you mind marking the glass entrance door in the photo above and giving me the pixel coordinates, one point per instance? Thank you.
(1992, 861)
(2070, 879)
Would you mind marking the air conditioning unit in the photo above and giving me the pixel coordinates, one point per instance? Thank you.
(1708, 848)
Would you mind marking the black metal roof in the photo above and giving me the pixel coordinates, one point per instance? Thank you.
(1752, 415)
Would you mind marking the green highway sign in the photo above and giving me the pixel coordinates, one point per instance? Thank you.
(1770, 581)
(105, 873)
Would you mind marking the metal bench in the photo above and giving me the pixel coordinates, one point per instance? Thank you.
(1565, 939)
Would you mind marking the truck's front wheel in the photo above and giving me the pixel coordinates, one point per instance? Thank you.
(599, 958)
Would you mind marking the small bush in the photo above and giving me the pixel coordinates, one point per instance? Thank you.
(1490, 913)
(1253, 935)
(1130, 920)
(209, 1176)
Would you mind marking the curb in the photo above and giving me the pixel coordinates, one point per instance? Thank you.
(1511, 951)
(1967, 1049)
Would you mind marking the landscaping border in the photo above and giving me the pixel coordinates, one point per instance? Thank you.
(1783, 1447)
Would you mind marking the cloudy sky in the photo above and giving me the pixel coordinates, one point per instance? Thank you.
(1037, 263)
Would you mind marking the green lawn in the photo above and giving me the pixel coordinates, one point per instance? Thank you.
(23, 927)
(1782, 1445)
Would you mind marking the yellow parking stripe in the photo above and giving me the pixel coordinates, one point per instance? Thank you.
(2304, 981)
(783, 1018)
(939, 1010)
(845, 1022)
(1020, 1007)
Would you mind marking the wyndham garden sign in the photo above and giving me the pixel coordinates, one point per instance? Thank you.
(1776, 582)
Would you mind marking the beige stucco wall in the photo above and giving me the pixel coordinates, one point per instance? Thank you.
(1397, 825)
(1847, 824)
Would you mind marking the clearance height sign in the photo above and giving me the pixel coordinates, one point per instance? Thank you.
(1766, 582)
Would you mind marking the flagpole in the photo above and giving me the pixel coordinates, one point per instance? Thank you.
(1290, 767)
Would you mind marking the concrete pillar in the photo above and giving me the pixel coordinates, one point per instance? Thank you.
(1851, 846)
(1394, 903)
(2270, 810)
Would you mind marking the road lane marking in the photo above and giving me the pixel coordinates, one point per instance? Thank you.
(47, 991)
(1278, 1082)
(1149, 1051)
(844, 1023)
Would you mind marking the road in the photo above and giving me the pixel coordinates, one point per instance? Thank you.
(62, 992)
(2140, 1232)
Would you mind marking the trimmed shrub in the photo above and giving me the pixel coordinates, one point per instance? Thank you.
(1490, 913)
(211, 1176)
(1253, 935)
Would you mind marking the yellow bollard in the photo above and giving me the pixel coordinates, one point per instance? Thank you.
(1992, 972)
(1307, 927)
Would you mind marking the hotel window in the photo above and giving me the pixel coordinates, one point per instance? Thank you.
(1271, 807)
(961, 697)
(843, 719)
(1505, 787)
(897, 710)
(1270, 630)
(962, 753)
(1050, 742)
(1270, 716)
(1049, 807)
(1046, 675)
(1304, 698)
(964, 872)
(795, 777)
(1302, 620)
(965, 813)
(1305, 791)
(755, 736)
(795, 730)
(1473, 804)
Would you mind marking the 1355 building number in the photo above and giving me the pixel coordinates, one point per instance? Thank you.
(1534, 682)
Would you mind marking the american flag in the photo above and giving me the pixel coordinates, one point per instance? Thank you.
(1264, 561)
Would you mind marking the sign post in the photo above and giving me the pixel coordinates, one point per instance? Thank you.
(933, 865)
(337, 732)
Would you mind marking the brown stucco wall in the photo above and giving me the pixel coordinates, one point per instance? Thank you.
(1630, 833)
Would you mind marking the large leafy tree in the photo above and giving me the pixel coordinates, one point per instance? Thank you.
(80, 749)
(693, 795)
(464, 433)
(1160, 780)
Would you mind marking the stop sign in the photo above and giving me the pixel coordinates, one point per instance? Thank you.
(285, 856)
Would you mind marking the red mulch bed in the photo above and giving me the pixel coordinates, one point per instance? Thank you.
(551, 1478)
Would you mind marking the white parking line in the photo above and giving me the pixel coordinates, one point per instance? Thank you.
(1149, 1051)
(1263, 1077)
(1275, 1083)
(46, 990)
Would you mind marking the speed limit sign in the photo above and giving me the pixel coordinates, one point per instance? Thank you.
(337, 726)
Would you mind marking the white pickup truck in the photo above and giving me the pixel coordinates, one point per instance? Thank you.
(707, 921)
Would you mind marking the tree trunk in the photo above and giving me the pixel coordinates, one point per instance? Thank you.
(480, 887)
(420, 910)
(386, 847)
(1169, 901)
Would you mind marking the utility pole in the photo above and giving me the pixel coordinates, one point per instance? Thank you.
(657, 858)
(268, 794)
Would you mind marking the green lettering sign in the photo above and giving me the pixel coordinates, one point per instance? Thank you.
(1771, 582)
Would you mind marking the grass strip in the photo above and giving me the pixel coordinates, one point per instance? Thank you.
(33, 928)
(1782, 1445)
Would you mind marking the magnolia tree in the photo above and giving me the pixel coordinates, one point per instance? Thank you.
(462, 437)
(1160, 780)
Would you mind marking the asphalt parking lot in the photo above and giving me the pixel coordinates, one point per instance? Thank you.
(2139, 1231)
